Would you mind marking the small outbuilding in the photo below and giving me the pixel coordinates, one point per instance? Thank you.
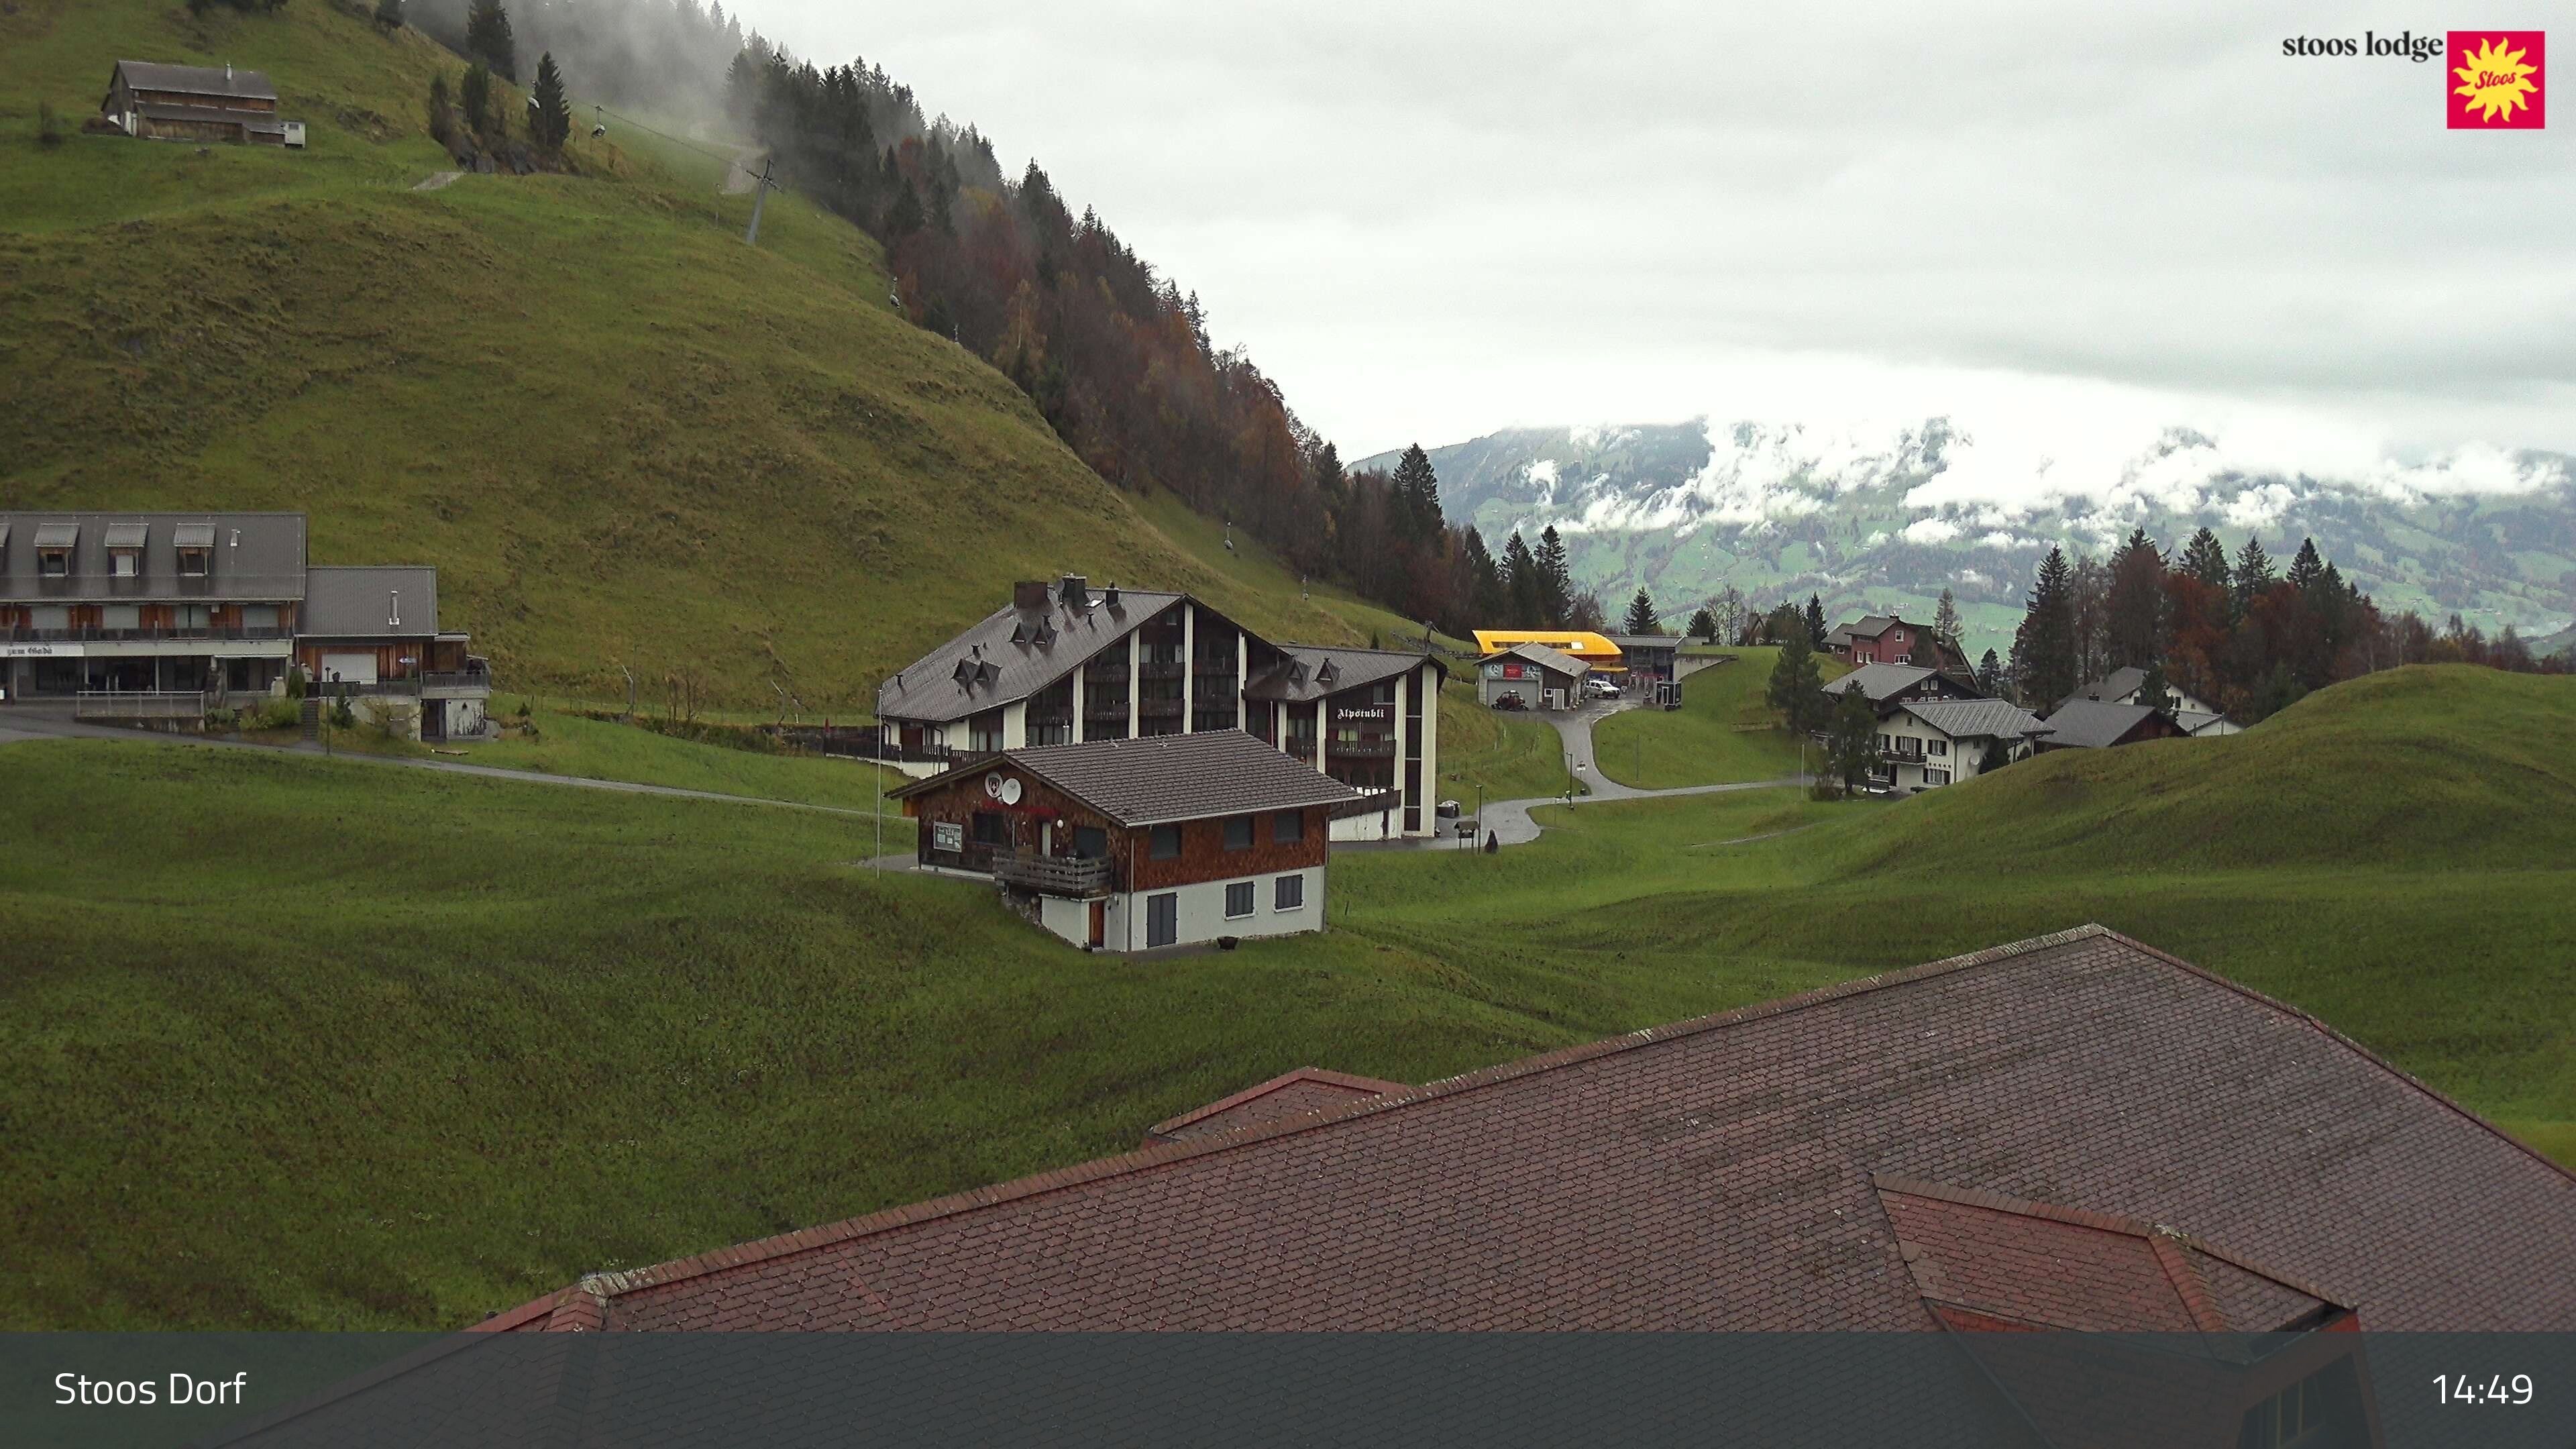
(2090, 724)
(1534, 675)
(1134, 844)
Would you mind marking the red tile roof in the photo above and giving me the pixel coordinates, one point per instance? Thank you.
(1290, 1094)
(1718, 1173)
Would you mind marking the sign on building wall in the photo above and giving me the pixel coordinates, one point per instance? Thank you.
(40, 651)
(1369, 711)
(947, 835)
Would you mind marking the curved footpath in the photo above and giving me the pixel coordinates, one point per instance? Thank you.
(1509, 820)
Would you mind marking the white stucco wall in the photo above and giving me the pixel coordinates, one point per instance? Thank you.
(1201, 916)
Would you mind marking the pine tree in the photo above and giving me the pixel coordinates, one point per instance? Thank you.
(550, 111)
(1796, 683)
(1417, 493)
(904, 217)
(2044, 646)
(1990, 675)
(2307, 568)
(1555, 582)
(1851, 746)
(2205, 559)
(1815, 622)
(1945, 619)
(1521, 581)
(1489, 598)
(487, 34)
(1703, 625)
(2135, 626)
(2253, 575)
(475, 97)
(389, 14)
(442, 117)
(1641, 617)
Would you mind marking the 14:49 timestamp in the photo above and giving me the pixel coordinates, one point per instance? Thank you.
(2494, 1389)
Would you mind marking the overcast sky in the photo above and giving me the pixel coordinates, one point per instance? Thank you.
(1431, 221)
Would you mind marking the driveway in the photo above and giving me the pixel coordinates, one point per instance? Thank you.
(1509, 820)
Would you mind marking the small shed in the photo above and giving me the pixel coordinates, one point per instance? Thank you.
(1533, 674)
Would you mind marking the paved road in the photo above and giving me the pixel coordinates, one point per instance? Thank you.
(1509, 820)
(18, 727)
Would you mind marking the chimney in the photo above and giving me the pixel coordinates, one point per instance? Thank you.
(228, 72)
(1029, 594)
(393, 608)
(1077, 592)
(1109, 596)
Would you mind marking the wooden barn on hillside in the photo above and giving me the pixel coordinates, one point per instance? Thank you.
(196, 103)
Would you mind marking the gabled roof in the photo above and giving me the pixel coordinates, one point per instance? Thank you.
(1290, 1094)
(2119, 684)
(1867, 626)
(1312, 671)
(1968, 719)
(253, 557)
(1880, 682)
(203, 80)
(1157, 779)
(1540, 654)
(378, 602)
(1013, 653)
(1721, 1173)
(2089, 724)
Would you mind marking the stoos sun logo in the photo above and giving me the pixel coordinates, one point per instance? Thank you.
(2495, 81)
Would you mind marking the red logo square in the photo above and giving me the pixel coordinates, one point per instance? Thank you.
(2493, 81)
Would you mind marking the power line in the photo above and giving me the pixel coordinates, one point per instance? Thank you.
(680, 142)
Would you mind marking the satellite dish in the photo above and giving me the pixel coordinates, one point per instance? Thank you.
(1010, 792)
(993, 786)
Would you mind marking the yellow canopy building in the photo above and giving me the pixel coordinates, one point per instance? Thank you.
(1593, 649)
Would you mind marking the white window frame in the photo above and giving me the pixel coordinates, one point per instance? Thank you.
(1251, 899)
(1279, 887)
(125, 563)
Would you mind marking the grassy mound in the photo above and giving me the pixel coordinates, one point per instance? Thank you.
(1724, 732)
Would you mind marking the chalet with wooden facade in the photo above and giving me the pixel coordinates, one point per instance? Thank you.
(1889, 685)
(1886, 639)
(1927, 743)
(1067, 664)
(1138, 843)
(165, 616)
(198, 103)
(373, 633)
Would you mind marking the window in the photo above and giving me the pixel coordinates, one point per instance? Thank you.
(1238, 832)
(1936, 747)
(54, 563)
(1162, 919)
(189, 616)
(192, 563)
(121, 616)
(1166, 843)
(1090, 842)
(259, 616)
(1288, 827)
(2293, 1414)
(125, 563)
(51, 616)
(1935, 777)
(1238, 899)
(1288, 893)
(992, 828)
(1882, 742)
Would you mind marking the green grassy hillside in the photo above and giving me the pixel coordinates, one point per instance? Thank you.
(338, 1044)
(623, 436)
(1725, 730)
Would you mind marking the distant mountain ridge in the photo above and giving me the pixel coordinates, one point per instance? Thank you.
(1883, 521)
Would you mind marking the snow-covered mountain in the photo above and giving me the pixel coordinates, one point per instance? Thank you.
(1887, 517)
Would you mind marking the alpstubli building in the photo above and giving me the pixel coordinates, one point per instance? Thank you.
(1067, 664)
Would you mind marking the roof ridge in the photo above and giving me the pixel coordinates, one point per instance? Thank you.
(2366, 1054)
(1097, 1169)
(1273, 1084)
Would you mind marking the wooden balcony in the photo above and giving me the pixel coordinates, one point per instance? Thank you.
(1071, 877)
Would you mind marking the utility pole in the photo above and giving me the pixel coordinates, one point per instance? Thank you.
(876, 806)
(759, 199)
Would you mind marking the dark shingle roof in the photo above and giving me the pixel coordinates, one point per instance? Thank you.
(1877, 682)
(1722, 1173)
(2116, 685)
(1013, 653)
(1160, 778)
(1312, 671)
(203, 80)
(1967, 719)
(353, 603)
(2089, 724)
(255, 558)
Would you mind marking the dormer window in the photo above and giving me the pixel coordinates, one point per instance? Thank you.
(125, 563)
(196, 545)
(54, 545)
(124, 544)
